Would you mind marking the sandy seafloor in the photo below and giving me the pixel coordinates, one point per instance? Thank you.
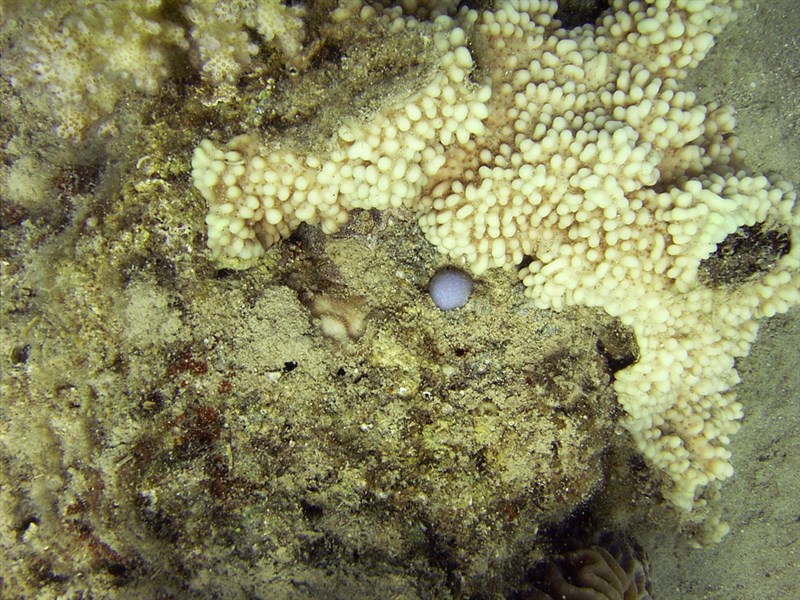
(755, 66)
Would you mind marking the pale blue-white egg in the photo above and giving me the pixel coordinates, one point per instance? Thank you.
(450, 288)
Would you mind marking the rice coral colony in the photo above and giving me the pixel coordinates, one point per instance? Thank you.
(575, 149)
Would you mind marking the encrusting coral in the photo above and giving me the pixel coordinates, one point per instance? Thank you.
(576, 156)
(223, 47)
(78, 60)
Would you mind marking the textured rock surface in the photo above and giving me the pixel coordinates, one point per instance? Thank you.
(424, 453)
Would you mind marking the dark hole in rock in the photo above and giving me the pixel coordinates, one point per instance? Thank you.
(25, 525)
(19, 355)
(574, 13)
(747, 253)
(224, 273)
(617, 345)
(311, 511)
(526, 261)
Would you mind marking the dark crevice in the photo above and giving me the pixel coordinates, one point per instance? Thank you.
(747, 253)
(574, 13)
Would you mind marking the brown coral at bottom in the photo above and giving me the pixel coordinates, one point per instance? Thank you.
(616, 569)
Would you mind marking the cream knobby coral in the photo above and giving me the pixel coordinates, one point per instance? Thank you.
(578, 151)
(222, 34)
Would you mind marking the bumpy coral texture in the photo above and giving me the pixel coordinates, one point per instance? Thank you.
(78, 60)
(227, 36)
(578, 151)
